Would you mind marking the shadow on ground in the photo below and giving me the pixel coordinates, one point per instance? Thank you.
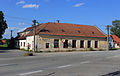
(4, 49)
(117, 73)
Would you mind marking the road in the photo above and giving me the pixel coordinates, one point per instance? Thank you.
(95, 63)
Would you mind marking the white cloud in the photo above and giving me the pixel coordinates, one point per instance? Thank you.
(22, 29)
(15, 31)
(78, 4)
(11, 28)
(31, 6)
(21, 23)
(7, 31)
(20, 2)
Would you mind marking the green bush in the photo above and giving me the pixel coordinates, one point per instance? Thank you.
(28, 54)
(90, 49)
(11, 43)
(100, 49)
(114, 48)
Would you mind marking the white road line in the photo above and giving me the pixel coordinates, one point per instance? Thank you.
(2, 65)
(31, 72)
(113, 56)
(64, 66)
(84, 62)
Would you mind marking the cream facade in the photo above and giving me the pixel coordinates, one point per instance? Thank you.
(64, 43)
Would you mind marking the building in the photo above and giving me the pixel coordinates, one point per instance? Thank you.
(62, 36)
(22, 40)
(114, 41)
(2, 42)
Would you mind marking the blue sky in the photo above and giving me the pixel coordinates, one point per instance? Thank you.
(20, 13)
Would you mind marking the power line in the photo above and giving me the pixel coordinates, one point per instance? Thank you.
(15, 21)
(14, 17)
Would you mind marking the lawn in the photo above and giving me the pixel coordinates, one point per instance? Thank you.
(4, 45)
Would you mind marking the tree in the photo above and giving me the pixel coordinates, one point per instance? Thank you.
(115, 29)
(3, 24)
(11, 43)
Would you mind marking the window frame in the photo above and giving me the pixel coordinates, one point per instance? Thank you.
(56, 43)
(24, 44)
(65, 44)
(89, 44)
(48, 45)
(21, 43)
(96, 45)
(73, 43)
(81, 43)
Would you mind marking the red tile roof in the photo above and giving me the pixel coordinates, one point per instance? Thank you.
(115, 38)
(66, 29)
(29, 28)
(3, 41)
(69, 30)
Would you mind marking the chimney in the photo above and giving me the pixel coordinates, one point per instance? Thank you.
(57, 21)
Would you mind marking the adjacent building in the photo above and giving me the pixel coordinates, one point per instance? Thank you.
(61, 37)
(114, 41)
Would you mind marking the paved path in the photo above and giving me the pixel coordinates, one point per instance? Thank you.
(60, 64)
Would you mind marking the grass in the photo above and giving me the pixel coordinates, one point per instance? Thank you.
(114, 49)
(4, 45)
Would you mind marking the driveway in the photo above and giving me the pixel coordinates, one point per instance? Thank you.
(9, 53)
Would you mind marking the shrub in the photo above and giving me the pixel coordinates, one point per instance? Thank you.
(28, 54)
(100, 49)
(90, 49)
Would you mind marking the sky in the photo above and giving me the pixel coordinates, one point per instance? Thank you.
(20, 13)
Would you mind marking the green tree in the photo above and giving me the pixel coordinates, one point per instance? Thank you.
(3, 24)
(11, 43)
(115, 29)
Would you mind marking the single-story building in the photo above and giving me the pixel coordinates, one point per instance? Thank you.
(62, 36)
(2, 42)
(114, 41)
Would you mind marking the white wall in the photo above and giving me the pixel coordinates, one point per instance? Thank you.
(22, 42)
(30, 40)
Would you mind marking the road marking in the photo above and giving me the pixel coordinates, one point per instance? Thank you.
(2, 65)
(31, 72)
(113, 56)
(64, 66)
(84, 62)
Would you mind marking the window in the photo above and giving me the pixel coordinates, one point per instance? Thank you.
(21, 43)
(89, 44)
(73, 43)
(82, 44)
(96, 44)
(47, 45)
(65, 45)
(56, 43)
(24, 44)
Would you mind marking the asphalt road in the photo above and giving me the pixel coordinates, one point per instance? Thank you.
(96, 63)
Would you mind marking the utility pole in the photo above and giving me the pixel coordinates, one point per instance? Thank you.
(34, 29)
(108, 27)
(11, 33)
